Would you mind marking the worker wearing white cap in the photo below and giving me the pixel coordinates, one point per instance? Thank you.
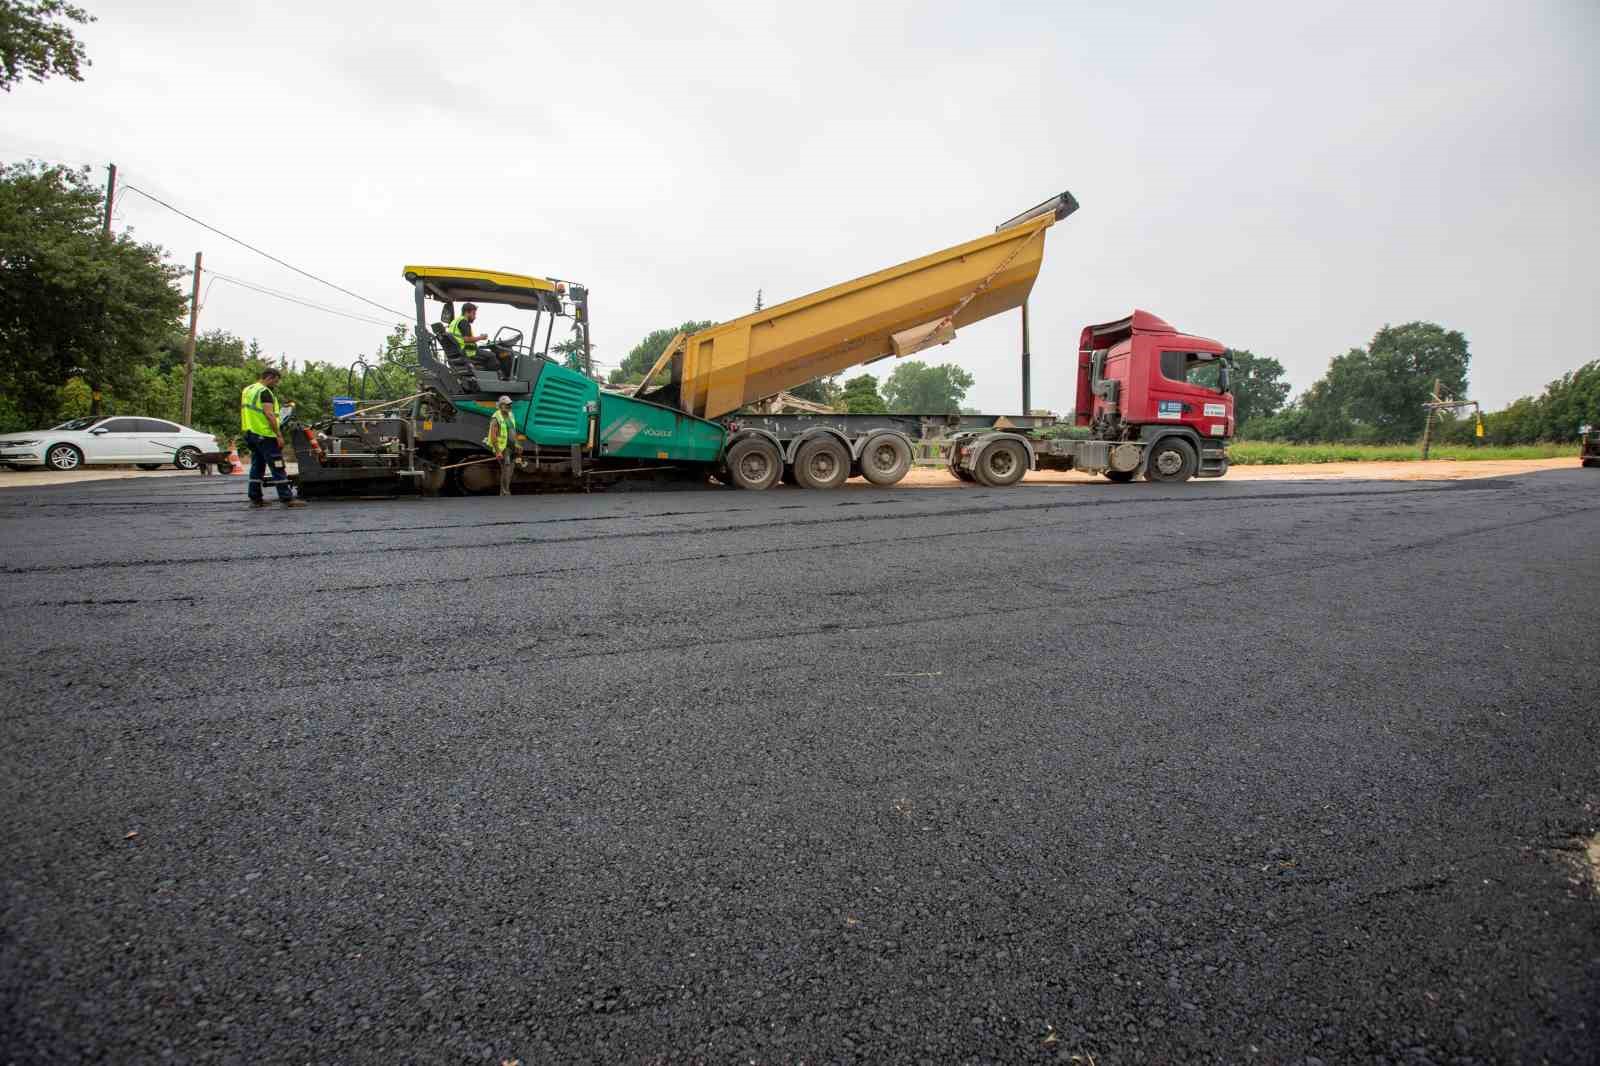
(502, 441)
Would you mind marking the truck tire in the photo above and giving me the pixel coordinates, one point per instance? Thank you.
(754, 463)
(822, 463)
(885, 459)
(1002, 463)
(1121, 477)
(1172, 459)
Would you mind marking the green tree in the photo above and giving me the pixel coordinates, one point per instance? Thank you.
(643, 355)
(1376, 393)
(917, 388)
(1259, 390)
(214, 347)
(36, 41)
(570, 352)
(72, 301)
(819, 390)
(861, 397)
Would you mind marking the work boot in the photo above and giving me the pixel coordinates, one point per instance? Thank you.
(258, 503)
(294, 503)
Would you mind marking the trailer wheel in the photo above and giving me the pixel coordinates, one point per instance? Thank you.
(822, 463)
(1121, 477)
(1171, 460)
(754, 463)
(1002, 463)
(886, 459)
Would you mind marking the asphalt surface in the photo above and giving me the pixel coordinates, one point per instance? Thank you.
(1225, 772)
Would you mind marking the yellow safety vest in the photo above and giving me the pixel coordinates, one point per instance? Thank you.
(460, 330)
(252, 416)
(508, 431)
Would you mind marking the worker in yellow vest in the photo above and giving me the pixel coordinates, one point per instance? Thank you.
(502, 441)
(258, 418)
(461, 329)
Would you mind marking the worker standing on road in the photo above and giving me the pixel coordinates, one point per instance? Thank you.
(502, 441)
(258, 417)
(461, 330)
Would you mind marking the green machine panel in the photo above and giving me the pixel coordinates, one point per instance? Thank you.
(636, 429)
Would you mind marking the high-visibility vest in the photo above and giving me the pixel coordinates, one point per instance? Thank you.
(508, 431)
(461, 329)
(252, 417)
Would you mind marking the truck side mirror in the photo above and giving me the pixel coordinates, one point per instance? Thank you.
(1224, 379)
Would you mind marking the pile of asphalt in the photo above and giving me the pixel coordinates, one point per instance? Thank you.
(1216, 773)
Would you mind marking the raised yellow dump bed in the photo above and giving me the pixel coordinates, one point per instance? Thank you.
(897, 311)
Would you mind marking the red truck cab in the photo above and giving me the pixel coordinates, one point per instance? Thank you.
(1141, 380)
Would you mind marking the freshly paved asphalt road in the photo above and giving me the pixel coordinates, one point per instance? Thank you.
(1231, 772)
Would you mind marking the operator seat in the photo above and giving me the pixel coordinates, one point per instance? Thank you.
(460, 365)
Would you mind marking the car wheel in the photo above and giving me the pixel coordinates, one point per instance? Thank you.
(1170, 460)
(64, 457)
(186, 459)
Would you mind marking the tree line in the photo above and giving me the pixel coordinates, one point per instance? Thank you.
(1376, 395)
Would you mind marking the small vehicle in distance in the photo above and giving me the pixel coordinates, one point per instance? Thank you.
(1590, 435)
(147, 443)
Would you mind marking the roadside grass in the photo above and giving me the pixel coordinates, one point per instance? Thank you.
(1272, 453)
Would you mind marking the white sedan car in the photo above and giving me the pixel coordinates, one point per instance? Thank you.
(144, 442)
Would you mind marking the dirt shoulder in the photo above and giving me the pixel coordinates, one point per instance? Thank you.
(1432, 470)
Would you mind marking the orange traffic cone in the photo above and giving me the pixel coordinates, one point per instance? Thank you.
(235, 466)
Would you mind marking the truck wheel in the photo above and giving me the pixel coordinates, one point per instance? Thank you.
(886, 459)
(1002, 463)
(1171, 460)
(754, 463)
(822, 463)
(1120, 476)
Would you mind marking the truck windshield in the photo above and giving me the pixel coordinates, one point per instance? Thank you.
(1192, 368)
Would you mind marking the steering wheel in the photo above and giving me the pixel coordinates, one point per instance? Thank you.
(507, 337)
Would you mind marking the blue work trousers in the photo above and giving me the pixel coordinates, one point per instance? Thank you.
(266, 466)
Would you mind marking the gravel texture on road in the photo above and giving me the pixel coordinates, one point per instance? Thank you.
(1223, 772)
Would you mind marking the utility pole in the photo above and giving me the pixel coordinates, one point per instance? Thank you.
(1027, 365)
(1427, 425)
(188, 352)
(111, 194)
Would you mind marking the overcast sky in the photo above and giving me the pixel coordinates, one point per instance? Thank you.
(1282, 177)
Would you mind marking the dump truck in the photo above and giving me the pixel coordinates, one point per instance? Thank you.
(1151, 401)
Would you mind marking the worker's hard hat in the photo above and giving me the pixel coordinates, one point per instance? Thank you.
(504, 401)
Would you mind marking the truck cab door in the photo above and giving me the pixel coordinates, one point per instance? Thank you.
(1184, 390)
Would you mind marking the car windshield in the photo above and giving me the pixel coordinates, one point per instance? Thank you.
(76, 424)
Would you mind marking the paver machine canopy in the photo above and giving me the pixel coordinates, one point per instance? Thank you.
(511, 360)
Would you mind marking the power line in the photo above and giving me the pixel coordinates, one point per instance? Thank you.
(258, 251)
(296, 300)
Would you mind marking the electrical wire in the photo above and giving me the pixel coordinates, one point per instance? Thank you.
(216, 276)
(258, 251)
